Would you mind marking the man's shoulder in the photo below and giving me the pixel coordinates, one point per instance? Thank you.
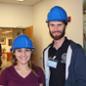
(74, 44)
(76, 47)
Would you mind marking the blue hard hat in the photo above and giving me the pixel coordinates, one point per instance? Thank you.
(57, 14)
(22, 41)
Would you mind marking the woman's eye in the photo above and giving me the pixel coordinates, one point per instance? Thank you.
(19, 50)
(25, 50)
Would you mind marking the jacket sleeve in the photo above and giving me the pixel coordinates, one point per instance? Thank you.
(80, 67)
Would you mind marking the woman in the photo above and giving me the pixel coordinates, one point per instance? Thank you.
(22, 73)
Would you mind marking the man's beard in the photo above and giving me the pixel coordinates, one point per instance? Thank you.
(58, 37)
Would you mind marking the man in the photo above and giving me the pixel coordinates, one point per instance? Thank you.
(64, 60)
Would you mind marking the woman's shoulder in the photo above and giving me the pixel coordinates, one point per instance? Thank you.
(10, 68)
(7, 70)
(36, 68)
(39, 73)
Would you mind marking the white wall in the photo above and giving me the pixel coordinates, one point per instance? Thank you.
(74, 29)
(23, 16)
(15, 15)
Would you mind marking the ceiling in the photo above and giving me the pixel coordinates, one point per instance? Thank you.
(25, 2)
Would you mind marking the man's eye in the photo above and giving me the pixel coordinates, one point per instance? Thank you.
(52, 25)
(59, 25)
(28, 50)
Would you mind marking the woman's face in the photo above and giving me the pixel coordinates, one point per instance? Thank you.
(22, 55)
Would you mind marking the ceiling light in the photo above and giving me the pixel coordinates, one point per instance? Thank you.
(20, 0)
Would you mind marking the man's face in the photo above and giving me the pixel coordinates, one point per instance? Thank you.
(56, 29)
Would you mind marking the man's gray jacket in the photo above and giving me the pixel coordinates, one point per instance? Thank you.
(75, 74)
